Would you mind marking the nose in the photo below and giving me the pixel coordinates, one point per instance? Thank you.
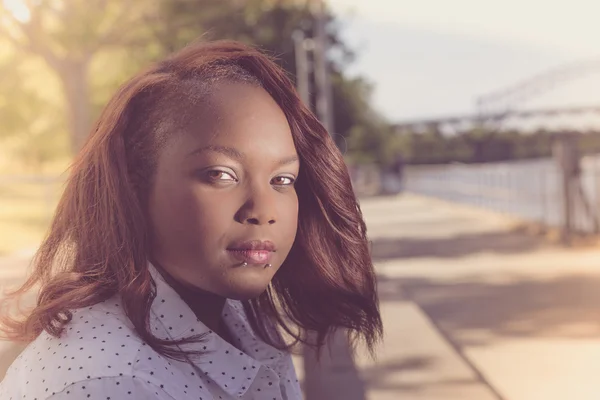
(258, 209)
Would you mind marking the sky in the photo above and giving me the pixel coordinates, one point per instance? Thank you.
(432, 58)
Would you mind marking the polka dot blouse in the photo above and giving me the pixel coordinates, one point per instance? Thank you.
(100, 357)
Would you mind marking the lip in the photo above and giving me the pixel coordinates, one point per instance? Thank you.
(253, 251)
(265, 245)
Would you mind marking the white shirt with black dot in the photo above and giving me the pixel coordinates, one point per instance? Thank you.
(100, 357)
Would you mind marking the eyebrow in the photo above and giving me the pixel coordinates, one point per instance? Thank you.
(236, 155)
(228, 151)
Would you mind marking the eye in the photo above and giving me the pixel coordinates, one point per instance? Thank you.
(221, 176)
(283, 180)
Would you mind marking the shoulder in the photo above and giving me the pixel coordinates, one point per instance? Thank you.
(98, 347)
(126, 387)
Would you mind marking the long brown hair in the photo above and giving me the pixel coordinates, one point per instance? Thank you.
(97, 245)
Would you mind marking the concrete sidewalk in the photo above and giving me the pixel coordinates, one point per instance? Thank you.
(522, 314)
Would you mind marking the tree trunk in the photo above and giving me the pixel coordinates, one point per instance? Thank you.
(74, 78)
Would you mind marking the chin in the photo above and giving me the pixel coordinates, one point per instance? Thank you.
(246, 291)
(246, 283)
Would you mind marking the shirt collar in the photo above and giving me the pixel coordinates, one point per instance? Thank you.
(172, 319)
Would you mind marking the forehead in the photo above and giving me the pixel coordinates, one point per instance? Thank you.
(238, 115)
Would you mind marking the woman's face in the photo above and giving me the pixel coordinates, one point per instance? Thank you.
(223, 207)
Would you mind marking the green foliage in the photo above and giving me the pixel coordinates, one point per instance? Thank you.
(32, 125)
(479, 145)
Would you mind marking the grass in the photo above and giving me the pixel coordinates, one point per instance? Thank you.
(26, 207)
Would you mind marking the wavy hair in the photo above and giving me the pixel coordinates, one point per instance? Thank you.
(98, 242)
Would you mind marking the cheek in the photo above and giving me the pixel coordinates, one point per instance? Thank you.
(182, 212)
(289, 219)
(206, 214)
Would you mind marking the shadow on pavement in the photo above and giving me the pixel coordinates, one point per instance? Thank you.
(334, 375)
(473, 312)
(379, 376)
(456, 246)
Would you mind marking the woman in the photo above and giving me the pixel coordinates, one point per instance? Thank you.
(208, 216)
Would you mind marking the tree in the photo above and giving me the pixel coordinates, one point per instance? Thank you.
(29, 119)
(67, 34)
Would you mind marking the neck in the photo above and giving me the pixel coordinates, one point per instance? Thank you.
(207, 306)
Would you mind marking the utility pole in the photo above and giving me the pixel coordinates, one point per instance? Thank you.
(566, 154)
(322, 72)
(301, 46)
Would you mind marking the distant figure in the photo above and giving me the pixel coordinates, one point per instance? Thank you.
(398, 166)
(209, 214)
(393, 176)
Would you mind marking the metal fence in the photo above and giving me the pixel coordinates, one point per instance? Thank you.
(531, 190)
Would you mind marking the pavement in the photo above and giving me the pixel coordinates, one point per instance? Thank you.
(473, 308)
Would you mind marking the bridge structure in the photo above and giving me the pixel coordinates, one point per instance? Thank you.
(493, 110)
(563, 193)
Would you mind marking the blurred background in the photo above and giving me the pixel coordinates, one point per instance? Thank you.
(472, 133)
